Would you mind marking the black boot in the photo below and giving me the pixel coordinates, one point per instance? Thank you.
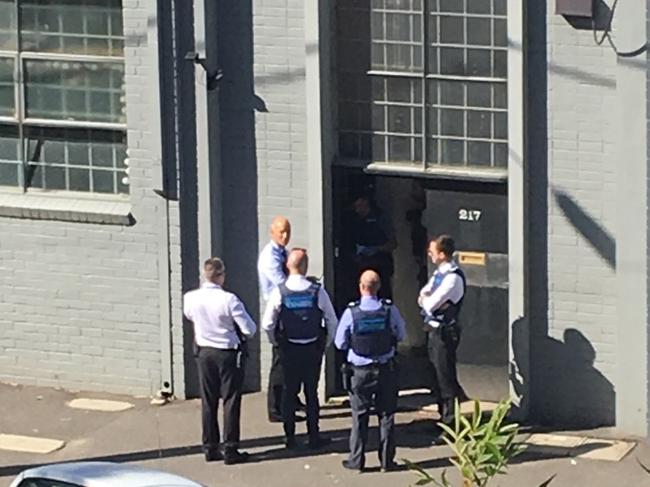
(233, 456)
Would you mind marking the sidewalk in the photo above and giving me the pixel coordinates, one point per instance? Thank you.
(167, 438)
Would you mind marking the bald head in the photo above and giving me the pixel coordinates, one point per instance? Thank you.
(369, 283)
(298, 261)
(280, 231)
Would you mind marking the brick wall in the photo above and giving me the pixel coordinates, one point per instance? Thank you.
(579, 350)
(79, 303)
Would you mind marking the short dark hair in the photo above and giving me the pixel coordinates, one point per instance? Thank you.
(213, 268)
(445, 244)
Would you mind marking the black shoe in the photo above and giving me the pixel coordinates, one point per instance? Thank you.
(318, 443)
(290, 443)
(347, 464)
(275, 418)
(391, 467)
(439, 440)
(233, 457)
(213, 456)
(299, 418)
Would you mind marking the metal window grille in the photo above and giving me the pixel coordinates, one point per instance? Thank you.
(423, 82)
(62, 113)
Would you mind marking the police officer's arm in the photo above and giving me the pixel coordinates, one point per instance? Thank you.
(397, 324)
(329, 315)
(342, 338)
(241, 317)
(450, 289)
(426, 291)
(271, 313)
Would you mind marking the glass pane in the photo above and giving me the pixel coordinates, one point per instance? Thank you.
(479, 6)
(451, 30)
(452, 151)
(399, 90)
(500, 7)
(501, 125)
(478, 62)
(451, 93)
(103, 181)
(399, 149)
(452, 122)
(479, 95)
(378, 121)
(398, 27)
(53, 177)
(432, 150)
(452, 62)
(479, 124)
(500, 95)
(478, 153)
(479, 31)
(82, 91)
(500, 64)
(399, 119)
(8, 27)
(451, 5)
(500, 33)
(7, 94)
(74, 26)
(501, 155)
(10, 165)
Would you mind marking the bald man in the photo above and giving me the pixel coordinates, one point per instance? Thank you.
(369, 331)
(298, 318)
(272, 271)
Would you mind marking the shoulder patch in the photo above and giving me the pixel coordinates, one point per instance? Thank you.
(352, 304)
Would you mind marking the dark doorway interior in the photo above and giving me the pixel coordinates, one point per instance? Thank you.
(418, 209)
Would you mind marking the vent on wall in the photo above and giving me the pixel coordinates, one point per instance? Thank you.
(575, 8)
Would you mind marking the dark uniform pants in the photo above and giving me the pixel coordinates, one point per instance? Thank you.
(301, 365)
(276, 385)
(442, 345)
(378, 382)
(221, 376)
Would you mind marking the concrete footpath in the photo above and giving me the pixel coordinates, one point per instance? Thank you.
(167, 438)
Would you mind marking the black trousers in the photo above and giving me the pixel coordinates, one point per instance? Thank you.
(221, 376)
(276, 385)
(301, 365)
(442, 344)
(373, 384)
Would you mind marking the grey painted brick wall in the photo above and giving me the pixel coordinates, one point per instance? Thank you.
(79, 303)
(579, 351)
(279, 70)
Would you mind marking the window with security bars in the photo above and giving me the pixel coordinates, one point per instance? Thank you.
(62, 114)
(422, 82)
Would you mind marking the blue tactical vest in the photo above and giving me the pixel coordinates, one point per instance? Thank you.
(449, 315)
(300, 317)
(371, 335)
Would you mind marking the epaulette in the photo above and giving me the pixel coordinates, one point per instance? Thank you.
(352, 304)
(386, 302)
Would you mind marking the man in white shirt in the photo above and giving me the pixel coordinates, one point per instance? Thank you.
(441, 300)
(293, 321)
(221, 327)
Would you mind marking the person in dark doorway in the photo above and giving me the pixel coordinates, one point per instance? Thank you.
(300, 320)
(221, 327)
(441, 300)
(374, 242)
(272, 271)
(369, 331)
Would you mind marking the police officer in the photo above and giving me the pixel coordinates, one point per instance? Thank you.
(221, 326)
(441, 300)
(374, 242)
(370, 330)
(293, 320)
(272, 271)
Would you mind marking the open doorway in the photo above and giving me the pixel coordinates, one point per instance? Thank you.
(417, 209)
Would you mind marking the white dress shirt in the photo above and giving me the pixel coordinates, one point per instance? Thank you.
(297, 282)
(444, 285)
(271, 268)
(215, 313)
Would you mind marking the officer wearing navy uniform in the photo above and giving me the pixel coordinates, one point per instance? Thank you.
(221, 327)
(294, 320)
(374, 242)
(441, 300)
(369, 331)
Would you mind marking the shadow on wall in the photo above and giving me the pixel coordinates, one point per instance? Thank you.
(595, 234)
(571, 392)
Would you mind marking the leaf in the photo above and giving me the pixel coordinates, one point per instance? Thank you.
(549, 480)
(424, 481)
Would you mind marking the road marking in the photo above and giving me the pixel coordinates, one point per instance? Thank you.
(99, 405)
(29, 444)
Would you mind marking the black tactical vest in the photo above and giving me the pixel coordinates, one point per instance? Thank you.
(371, 335)
(300, 317)
(449, 315)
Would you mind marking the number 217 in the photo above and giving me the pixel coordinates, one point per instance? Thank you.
(469, 215)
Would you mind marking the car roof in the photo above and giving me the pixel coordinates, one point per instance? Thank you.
(107, 474)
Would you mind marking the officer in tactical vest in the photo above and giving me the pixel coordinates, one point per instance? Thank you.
(293, 320)
(441, 300)
(369, 331)
(374, 242)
